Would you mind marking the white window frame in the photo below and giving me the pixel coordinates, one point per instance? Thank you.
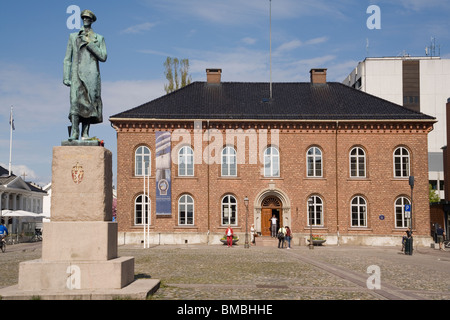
(184, 202)
(142, 154)
(138, 201)
(229, 207)
(360, 214)
(228, 162)
(186, 158)
(358, 160)
(402, 157)
(315, 211)
(399, 211)
(315, 158)
(270, 154)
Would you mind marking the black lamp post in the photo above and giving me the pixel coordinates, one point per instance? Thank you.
(246, 245)
(411, 184)
(310, 209)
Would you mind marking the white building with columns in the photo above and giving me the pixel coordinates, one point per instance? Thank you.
(17, 194)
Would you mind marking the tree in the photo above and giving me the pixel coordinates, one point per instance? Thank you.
(176, 70)
(434, 197)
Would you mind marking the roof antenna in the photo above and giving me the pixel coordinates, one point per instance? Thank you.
(270, 55)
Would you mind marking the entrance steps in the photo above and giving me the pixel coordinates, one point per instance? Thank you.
(266, 241)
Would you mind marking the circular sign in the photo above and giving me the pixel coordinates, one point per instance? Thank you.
(381, 217)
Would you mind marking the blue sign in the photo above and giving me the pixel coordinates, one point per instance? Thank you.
(381, 217)
(163, 173)
(407, 208)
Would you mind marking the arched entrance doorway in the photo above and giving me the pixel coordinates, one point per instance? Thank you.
(270, 206)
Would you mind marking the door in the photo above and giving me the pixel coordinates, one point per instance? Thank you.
(266, 214)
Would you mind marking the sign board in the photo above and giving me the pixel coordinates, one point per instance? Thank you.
(407, 211)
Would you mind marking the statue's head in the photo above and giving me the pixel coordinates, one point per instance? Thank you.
(88, 14)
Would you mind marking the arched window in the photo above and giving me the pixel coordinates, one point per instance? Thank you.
(401, 162)
(186, 210)
(315, 211)
(229, 165)
(141, 208)
(142, 160)
(229, 210)
(186, 162)
(271, 162)
(314, 162)
(401, 220)
(357, 163)
(359, 212)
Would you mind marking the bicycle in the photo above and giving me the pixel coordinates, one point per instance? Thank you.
(37, 235)
(3, 245)
(447, 244)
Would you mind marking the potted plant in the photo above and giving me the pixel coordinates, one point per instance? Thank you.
(317, 240)
(224, 239)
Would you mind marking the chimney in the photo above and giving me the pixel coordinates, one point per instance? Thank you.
(318, 76)
(213, 75)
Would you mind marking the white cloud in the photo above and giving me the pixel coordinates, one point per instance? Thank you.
(232, 12)
(248, 40)
(20, 170)
(139, 28)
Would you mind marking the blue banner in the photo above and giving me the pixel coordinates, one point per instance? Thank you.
(163, 173)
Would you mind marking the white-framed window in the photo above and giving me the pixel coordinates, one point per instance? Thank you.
(229, 210)
(401, 221)
(186, 162)
(401, 162)
(357, 163)
(315, 211)
(314, 162)
(142, 158)
(186, 210)
(359, 212)
(141, 204)
(271, 162)
(229, 163)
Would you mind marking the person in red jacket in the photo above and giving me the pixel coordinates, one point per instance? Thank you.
(229, 234)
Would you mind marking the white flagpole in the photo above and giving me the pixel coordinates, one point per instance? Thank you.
(11, 123)
(144, 203)
(148, 206)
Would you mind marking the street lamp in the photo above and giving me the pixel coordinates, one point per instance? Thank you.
(411, 184)
(246, 245)
(310, 209)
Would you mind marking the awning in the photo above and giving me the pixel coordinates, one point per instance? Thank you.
(22, 214)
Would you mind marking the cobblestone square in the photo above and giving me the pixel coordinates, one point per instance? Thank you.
(215, 272)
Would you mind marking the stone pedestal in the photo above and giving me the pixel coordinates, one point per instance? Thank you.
(79, 249)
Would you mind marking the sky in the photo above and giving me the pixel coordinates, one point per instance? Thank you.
(233, 35)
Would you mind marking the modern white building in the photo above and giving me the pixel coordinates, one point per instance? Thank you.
(418, 83)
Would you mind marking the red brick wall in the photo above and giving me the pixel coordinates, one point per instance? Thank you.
(379, 188)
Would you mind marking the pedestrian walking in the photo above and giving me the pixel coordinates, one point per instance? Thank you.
(440, 233)
(281, 237)
(229, 234)
(288, 237)
(253, 234)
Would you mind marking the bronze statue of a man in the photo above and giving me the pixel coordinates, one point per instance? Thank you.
(82, 74)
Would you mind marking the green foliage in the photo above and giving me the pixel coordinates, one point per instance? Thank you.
(177, 74)
(433, 196)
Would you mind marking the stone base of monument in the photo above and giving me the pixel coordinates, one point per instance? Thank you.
(79, 247)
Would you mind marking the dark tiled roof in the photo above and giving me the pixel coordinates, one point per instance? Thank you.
(291, 101)
(5, 178)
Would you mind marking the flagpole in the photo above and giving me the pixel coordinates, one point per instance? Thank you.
(11, 123)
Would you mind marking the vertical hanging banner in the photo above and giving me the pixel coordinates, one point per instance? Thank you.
(163, 173)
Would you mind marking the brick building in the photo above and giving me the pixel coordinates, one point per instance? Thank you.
(319, 156)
